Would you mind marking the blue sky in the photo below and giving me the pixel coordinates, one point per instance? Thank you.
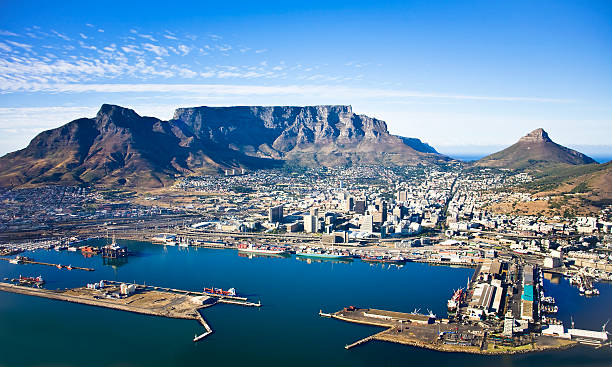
(461, 75)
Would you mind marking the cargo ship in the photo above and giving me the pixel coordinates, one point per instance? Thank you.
(263, 249)
(220, 292)
(384, 259)
(323, 254)
(455, 302)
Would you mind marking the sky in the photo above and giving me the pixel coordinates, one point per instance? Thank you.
(464, 76)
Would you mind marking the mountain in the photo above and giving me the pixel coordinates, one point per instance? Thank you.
(534, 150)
(120, 147)
(312, 135)
(117, 147)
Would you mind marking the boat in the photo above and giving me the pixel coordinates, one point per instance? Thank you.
(69, 267)
(384, 259)
(220, 292)
(455, 302)
(163, 238)
(323, 254)
(72, 248)
(548, 300)
(263, 249)
(183, 244)
(89, 250)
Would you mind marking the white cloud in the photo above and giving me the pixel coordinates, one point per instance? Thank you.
(60, 35)
(131, 49)
(230, 89)
(184, 49)
(7, 33)
(158, 50)
(5, 47)
(148, 36)
(20, 45)
(83, 36)
(86, 46)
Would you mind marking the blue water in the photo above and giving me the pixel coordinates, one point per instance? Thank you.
(285, 331)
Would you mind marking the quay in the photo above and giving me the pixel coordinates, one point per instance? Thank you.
(146, 300)
(59, 266)
(221, 298)
(425, 331)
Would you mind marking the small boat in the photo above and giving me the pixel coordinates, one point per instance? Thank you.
(262, 249)
(384, 259)
(59, 266)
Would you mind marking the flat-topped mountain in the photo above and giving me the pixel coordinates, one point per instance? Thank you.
(118, 146)
(532, 150)
(328, 135)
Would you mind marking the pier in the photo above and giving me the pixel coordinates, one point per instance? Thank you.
(147, 300)
(59, 266)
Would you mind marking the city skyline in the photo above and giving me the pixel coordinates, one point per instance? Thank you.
(456, 76)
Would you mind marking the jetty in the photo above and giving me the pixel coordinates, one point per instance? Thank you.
(147, 300)
(59, 266)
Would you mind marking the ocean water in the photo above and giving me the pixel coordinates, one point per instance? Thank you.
(285, 331)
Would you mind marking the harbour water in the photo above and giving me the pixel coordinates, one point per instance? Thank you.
(285, 331)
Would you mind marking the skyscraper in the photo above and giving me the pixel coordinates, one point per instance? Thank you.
(275, 214)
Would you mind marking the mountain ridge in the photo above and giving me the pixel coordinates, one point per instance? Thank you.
(120, 147)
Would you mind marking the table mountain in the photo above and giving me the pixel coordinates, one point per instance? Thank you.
(535, 149)
(119, 147)
(312, 135)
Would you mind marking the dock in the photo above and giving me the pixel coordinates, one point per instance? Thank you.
(425, 331)
(59, 266)
(147, 300)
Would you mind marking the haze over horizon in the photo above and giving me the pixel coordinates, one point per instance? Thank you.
(462, 75)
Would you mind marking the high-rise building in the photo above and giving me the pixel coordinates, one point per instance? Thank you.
(348, 204)
(311, 223)
(275, 214)
(367, 223)
(360, 206)
(402, 195)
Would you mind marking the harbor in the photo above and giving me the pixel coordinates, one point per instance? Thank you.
(279, 282)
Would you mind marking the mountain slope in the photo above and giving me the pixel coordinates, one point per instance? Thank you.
(533, 150)
(311, 135)
(117, 147)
